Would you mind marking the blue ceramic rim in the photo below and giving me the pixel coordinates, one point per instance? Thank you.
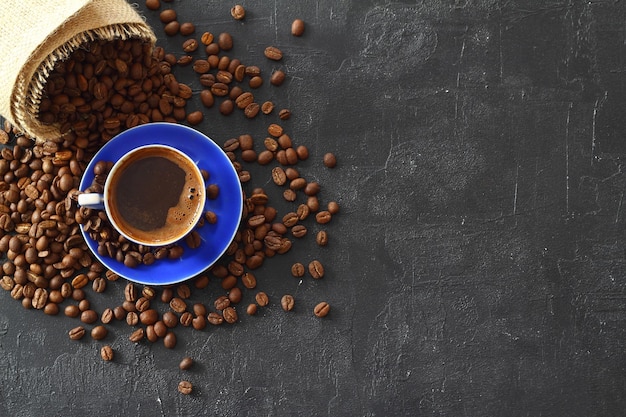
(228, 205)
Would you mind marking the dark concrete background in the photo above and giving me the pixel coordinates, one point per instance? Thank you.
(477, 267)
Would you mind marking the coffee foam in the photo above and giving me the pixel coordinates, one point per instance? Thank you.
(182, 217)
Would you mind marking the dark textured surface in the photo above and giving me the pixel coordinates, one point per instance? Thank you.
(477, 267)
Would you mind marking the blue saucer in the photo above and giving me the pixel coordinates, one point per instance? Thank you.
(228, 205)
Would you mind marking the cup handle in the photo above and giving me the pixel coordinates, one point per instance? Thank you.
(91, 200)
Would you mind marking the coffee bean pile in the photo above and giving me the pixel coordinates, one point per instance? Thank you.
(101, 90)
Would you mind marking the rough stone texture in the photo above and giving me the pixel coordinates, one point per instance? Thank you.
(477, 266)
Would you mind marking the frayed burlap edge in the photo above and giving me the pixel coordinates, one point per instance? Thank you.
(28, 91)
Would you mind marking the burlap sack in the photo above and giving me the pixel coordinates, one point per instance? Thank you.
(36, 34)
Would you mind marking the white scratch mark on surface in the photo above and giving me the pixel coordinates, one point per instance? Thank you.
(567, 184)
(458, 77)
(596, 105)
(515, 193)
(619, 207)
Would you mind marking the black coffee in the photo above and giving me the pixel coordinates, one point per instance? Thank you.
(155, 196)
(146, 191)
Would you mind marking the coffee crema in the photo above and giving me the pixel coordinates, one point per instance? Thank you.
(156, 195)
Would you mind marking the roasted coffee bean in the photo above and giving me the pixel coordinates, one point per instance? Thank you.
(333, 207)
(149, 316)
(297, 27)
(172, 28)
(187, 28)
(322, 309)
(215, 319)
(330, 160)
(273, 53)
(287, 302)
(290, 219)
(291, 156)
(213, 49)
(132, 318)
(168, 15)
(111, 276)
(302, 152)
(323, 217)
(298, 183)
(248, 280)
(183, 291)
(230, 315)
(299, 231)
(239, 73)
(178, 304)
(206, 38)
(72, 310)
(88, 316)
(251, 309)
(40, 298)
(275, 130)
(235, 295)
(185, 319)
(244, 100)
(222, 302)
(185, 363)
(130, 292)
(297, 270)
(238, 12)
(193, 240)
(77, 333)
(267, 107)
(198, 322)
(265, 157)
(195, 118)
(231, 145)
(312, 188)
(227, 107)
(220, 90)
(185, 387)
(313, 203)
(253, 71)
(190, 45)
(99, 332)
(106, 353)
(119, 312)
(151, 334)
(316, 269)
(148, 293)
(160, 328)
(137, 335)
(79, 281)
(169, 341)
(107, 316)
(278, 176)
(225, 41)
(210, 217)
(169, 319)
(303, 211)
(99, 284)
(206, 97)
(255, 82)
(251, 110)
(175, 252)
(246, 142)
(321, 238)
(290, 195)
(262, 299)
(277, 78)
(166, 295)
(254, 262)
(153, 4)
(51, 309)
